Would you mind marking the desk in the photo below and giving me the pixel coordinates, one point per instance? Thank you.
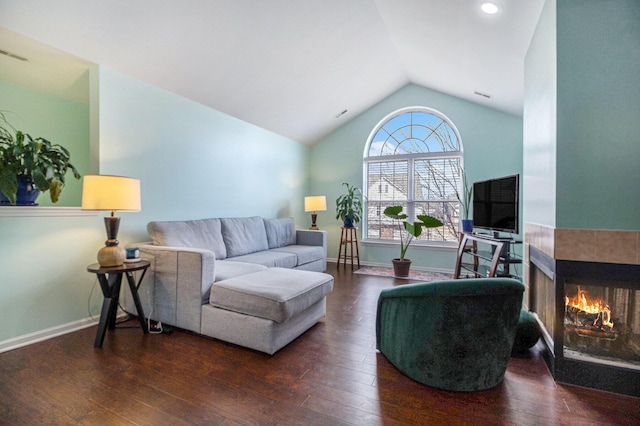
(110, 279)
(348, 238)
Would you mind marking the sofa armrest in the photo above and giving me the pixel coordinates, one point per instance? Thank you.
(176, 283)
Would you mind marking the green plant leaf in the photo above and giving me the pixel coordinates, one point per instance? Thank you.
(429, 221)
(9, 184)
(394, 213)
(55, 188)
(414, 229)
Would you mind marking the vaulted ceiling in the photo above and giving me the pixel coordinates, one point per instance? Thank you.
(290, 66)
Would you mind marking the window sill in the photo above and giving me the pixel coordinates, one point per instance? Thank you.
(418, 245)
(36, 211)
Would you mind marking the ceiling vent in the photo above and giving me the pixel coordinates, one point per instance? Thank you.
(484, 95)
(12, 55)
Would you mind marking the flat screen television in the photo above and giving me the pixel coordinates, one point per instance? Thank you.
(495, 204)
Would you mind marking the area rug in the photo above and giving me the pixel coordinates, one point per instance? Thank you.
(382, 271)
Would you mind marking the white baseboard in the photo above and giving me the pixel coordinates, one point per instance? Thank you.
(48, 333)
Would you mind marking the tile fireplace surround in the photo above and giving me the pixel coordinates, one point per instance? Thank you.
(605, 262)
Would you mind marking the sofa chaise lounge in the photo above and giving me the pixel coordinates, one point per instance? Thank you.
(251, 281)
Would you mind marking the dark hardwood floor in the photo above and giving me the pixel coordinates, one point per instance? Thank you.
(331, 375)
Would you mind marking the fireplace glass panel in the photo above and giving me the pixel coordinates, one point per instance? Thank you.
(602, 322)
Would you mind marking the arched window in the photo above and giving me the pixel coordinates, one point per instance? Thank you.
(413, 158)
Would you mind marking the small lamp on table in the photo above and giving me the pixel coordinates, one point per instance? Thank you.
(315, 203)
(111, 193)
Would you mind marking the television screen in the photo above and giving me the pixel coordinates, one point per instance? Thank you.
(495, 204)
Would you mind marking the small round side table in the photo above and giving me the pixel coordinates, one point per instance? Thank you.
(110, 278)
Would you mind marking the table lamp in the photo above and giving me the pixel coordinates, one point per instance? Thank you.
(111, 193)
(315, 203)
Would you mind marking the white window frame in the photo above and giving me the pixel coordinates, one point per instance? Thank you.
(410, 158)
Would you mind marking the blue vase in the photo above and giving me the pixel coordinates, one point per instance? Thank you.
(348, 222)
(26, 195)
(467, 225)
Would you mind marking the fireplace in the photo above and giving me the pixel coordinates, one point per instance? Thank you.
(589, 313)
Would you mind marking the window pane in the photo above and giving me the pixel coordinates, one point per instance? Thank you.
(414, 132)
(380, 226)
(447, 212)
(436, 179)
(387, 180)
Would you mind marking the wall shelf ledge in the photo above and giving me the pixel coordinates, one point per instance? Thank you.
(36, 211)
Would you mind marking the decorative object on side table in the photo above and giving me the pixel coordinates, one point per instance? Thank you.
(401, 265)
(315, 204)
(29, 166)
(349, 206)
(111, 193)
(132, 255)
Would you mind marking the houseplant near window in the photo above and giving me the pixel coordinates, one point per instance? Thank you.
(465, 201)
(401, 265)
(349, 206)
(29, 166)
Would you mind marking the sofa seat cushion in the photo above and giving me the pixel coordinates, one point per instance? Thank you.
(304, 254)
(269, 258)
(226, 269)
(275, 294)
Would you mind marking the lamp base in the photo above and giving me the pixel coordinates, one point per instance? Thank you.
(111, 256)
(314, 217)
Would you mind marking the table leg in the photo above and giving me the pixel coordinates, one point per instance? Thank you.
(340, 249)
(357, 252)
(111, 291)
(136, 300)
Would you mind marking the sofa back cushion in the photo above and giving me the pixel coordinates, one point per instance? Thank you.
(203, 234)
(244, 235)
(280, 232)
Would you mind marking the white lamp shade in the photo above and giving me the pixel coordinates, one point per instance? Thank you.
(114, 193)
(315, 203)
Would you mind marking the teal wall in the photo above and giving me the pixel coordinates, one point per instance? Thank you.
(598, 114)
(581, 116)
(193, 162)
(492, 143)
(59, 120)
(539, 144)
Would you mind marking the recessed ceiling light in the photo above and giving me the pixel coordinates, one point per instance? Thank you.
(490, 7)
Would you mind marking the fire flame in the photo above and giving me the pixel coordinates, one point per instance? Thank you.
(599, 307)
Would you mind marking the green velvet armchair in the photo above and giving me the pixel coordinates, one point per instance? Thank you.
(455, 335)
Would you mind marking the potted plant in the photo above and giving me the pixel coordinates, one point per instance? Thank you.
(401, 265)
(29, 166)
(465, 201)
(349, 206)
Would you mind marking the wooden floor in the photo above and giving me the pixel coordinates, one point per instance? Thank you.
(331, 375)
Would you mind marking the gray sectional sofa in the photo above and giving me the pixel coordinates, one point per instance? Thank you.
(251, 281)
